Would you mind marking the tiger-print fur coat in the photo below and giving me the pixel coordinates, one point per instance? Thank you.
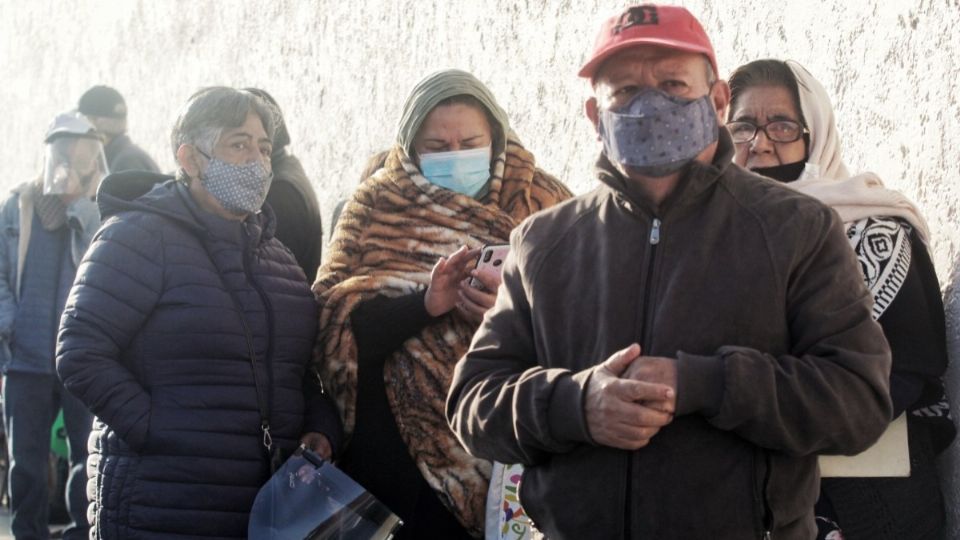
(390, 235)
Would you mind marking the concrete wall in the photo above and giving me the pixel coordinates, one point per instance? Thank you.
(341, 70)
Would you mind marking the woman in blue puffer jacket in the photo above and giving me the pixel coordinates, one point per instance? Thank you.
(188, 333)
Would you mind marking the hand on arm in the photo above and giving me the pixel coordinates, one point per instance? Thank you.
(624, 411)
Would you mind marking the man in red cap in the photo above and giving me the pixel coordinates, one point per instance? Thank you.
(669, 352)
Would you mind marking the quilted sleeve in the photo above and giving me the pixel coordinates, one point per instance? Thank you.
(117, 286)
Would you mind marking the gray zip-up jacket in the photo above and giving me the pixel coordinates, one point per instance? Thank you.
(753, 289)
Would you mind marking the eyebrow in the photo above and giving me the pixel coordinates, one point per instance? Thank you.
(444, 141)
(771, 118)
(245, 135)
(778, 117)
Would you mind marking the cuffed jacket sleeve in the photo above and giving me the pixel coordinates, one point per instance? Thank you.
(320, 412)
(105, 309)
(836, 374)
(502, 405)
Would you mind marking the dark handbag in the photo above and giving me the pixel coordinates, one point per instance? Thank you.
(309, 498)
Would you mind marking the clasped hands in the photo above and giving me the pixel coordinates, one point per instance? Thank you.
(630, 397)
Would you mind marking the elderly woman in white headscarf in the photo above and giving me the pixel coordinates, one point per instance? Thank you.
(783, 127)
(397, 311)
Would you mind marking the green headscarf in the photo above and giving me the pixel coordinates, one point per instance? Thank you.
(439, 86)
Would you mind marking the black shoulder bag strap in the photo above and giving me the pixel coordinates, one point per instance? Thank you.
(273, 453)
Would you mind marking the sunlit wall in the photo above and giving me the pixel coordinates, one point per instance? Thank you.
(340, 71)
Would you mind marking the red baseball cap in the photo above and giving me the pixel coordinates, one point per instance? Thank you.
(668, 26)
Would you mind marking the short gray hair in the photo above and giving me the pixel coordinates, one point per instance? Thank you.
(214, 109)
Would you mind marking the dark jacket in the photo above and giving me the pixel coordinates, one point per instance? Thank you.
(156, 340)
(123, 155)
(16, 225)
(298, 213)
(750, 286)
(910, 311)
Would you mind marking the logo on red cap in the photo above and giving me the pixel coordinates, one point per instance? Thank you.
(664, 26)
(637, 16)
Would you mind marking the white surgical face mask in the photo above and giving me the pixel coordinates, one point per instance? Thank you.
(463, 171)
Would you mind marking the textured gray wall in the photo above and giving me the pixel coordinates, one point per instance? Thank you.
(340, 71)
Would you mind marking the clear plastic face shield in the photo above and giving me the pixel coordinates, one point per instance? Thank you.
(73, 167)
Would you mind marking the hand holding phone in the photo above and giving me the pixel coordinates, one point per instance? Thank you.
(491, 256)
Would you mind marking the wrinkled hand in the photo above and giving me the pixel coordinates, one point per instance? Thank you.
(475, 302)
(319, 443)
(443, 293)
(659, 370)
(616, 410)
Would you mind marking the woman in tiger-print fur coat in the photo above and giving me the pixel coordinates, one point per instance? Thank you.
(396, 312)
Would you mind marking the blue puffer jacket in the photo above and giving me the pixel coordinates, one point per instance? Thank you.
(156, 340)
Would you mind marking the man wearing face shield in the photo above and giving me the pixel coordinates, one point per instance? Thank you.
(48, 224)
(669, 352)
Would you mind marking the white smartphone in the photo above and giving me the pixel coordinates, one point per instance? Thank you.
(491, 255)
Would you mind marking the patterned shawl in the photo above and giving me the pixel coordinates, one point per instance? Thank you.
(387, 240)
(825, 175)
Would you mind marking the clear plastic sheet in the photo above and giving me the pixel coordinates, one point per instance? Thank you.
(309, 498)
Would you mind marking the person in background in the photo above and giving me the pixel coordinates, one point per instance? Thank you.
(658, 357)
(783, 127)
(396, 311)
(107, 110)
(374, 163)
(293, 200)
(188, 333)
(47, 223)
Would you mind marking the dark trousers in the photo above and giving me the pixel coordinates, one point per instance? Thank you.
(30, 404)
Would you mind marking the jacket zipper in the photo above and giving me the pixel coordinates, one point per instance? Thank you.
(767, 513)
(654, 242)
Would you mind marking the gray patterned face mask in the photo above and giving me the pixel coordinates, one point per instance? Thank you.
(241, 189)
(657, 134)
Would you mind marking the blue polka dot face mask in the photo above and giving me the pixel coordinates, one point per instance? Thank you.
(657, 134)
(241, 189)
(463, 171)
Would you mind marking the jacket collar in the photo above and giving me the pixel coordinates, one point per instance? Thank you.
(695, 179)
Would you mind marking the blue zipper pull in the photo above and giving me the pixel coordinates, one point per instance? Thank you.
(655, 232)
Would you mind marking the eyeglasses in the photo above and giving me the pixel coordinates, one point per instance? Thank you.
(781, 131)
